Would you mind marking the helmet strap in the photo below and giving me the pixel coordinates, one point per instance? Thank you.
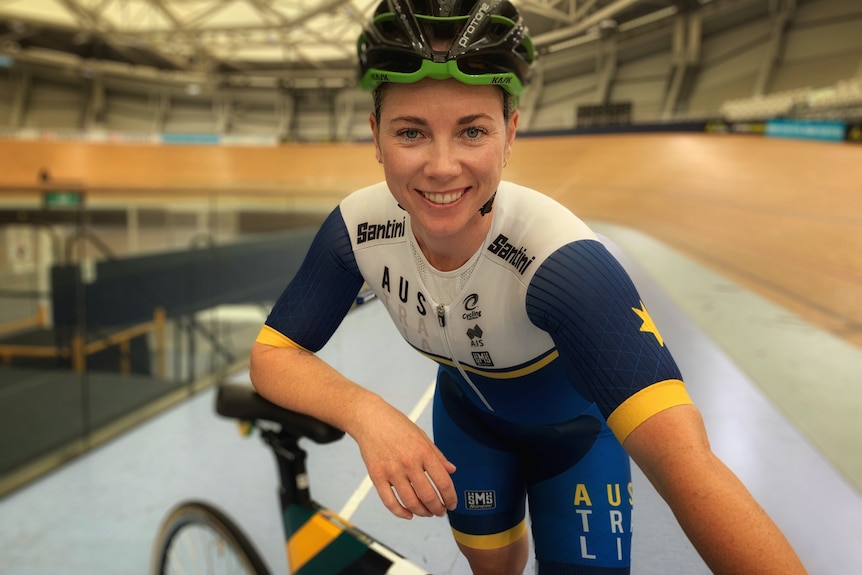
(486, 208)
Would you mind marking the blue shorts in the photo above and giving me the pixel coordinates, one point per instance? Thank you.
(575, 476)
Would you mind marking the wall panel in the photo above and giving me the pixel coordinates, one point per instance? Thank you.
(827, 10)
(55, 105)
(825, 41)
(188, 116)
(129, 113)
(817, 73)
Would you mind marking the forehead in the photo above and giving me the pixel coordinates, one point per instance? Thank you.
(436, 97)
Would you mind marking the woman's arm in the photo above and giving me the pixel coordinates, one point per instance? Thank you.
(398, 454)
(732, 533)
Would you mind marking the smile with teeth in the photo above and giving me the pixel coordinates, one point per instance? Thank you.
(445, 198)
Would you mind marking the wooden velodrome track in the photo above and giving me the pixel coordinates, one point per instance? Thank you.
(781, 217)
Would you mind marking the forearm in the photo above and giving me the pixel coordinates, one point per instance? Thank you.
(299, 380)
(729, 529)
(413, 466)
(726, 525)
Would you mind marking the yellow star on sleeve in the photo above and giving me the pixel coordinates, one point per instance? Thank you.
(648, 324)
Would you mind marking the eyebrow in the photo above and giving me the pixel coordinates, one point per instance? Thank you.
(410, 120)
(422, 122)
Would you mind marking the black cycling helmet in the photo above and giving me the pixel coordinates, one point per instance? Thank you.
(486, 43)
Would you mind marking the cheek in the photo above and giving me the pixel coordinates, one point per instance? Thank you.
(489, 163)
(395, 172)
(399, 165)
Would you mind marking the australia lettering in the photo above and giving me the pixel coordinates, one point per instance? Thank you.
(392, 229)
(517, 256)
(414, 329)
(612, 523)
(404, 291)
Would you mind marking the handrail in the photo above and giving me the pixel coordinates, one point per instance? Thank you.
(78, 350)
(81, 350)
(89, 235)
(39, 319)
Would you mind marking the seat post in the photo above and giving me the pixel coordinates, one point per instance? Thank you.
(290, 458)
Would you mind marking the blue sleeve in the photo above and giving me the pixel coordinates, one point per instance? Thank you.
(588, 304)
(312, 306)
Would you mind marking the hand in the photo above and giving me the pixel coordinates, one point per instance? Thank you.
(410, 473)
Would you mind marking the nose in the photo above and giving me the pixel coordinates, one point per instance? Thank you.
(443, 160)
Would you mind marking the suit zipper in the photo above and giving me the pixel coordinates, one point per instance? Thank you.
(441, 318)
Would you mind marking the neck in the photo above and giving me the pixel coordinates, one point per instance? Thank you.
(450, 253)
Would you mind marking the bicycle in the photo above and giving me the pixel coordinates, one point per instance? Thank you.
(197, 537)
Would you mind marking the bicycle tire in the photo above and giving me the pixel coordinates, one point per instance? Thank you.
(202, 539)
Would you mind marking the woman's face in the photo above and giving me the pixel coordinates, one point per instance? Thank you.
(443, 145)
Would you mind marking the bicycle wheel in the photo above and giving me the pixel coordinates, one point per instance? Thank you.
(198, 538)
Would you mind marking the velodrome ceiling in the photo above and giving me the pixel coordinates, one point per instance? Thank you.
(290, 41)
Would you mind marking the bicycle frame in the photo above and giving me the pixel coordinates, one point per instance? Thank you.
(318, 541)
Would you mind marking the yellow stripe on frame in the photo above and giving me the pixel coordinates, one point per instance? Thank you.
(493, 541)
(646, 403)
(308, 540)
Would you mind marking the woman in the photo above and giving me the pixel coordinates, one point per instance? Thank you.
(551, 371)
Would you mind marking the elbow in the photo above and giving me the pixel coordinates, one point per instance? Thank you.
(271, 368)
(257, 366)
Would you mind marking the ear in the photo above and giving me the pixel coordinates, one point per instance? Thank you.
(375, 135)
(511, 130)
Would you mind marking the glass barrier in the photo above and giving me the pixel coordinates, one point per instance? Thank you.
(117, 304)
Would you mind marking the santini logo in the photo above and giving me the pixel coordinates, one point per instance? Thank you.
(392, 229)
(516, 256)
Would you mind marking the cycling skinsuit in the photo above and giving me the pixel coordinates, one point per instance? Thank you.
(547, 360)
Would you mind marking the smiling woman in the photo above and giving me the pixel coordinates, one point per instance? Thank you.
(551, 370)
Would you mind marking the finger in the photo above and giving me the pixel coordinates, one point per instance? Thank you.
(445, 489)
(406, 493)
(450, 467)
(427, 493)
(390, 501)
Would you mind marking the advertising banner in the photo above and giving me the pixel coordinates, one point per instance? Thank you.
(830, 131)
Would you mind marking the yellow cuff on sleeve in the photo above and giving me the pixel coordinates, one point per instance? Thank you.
(269, 336)
(646, 403)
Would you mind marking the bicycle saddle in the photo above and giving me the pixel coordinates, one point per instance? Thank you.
(242, 402)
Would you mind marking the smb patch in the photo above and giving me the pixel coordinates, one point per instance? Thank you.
(480, 499)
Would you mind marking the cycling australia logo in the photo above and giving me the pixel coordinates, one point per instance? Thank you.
(471, 302)
(480, 499)
(365, 232)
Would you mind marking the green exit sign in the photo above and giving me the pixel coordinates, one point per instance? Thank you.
(64, 199)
